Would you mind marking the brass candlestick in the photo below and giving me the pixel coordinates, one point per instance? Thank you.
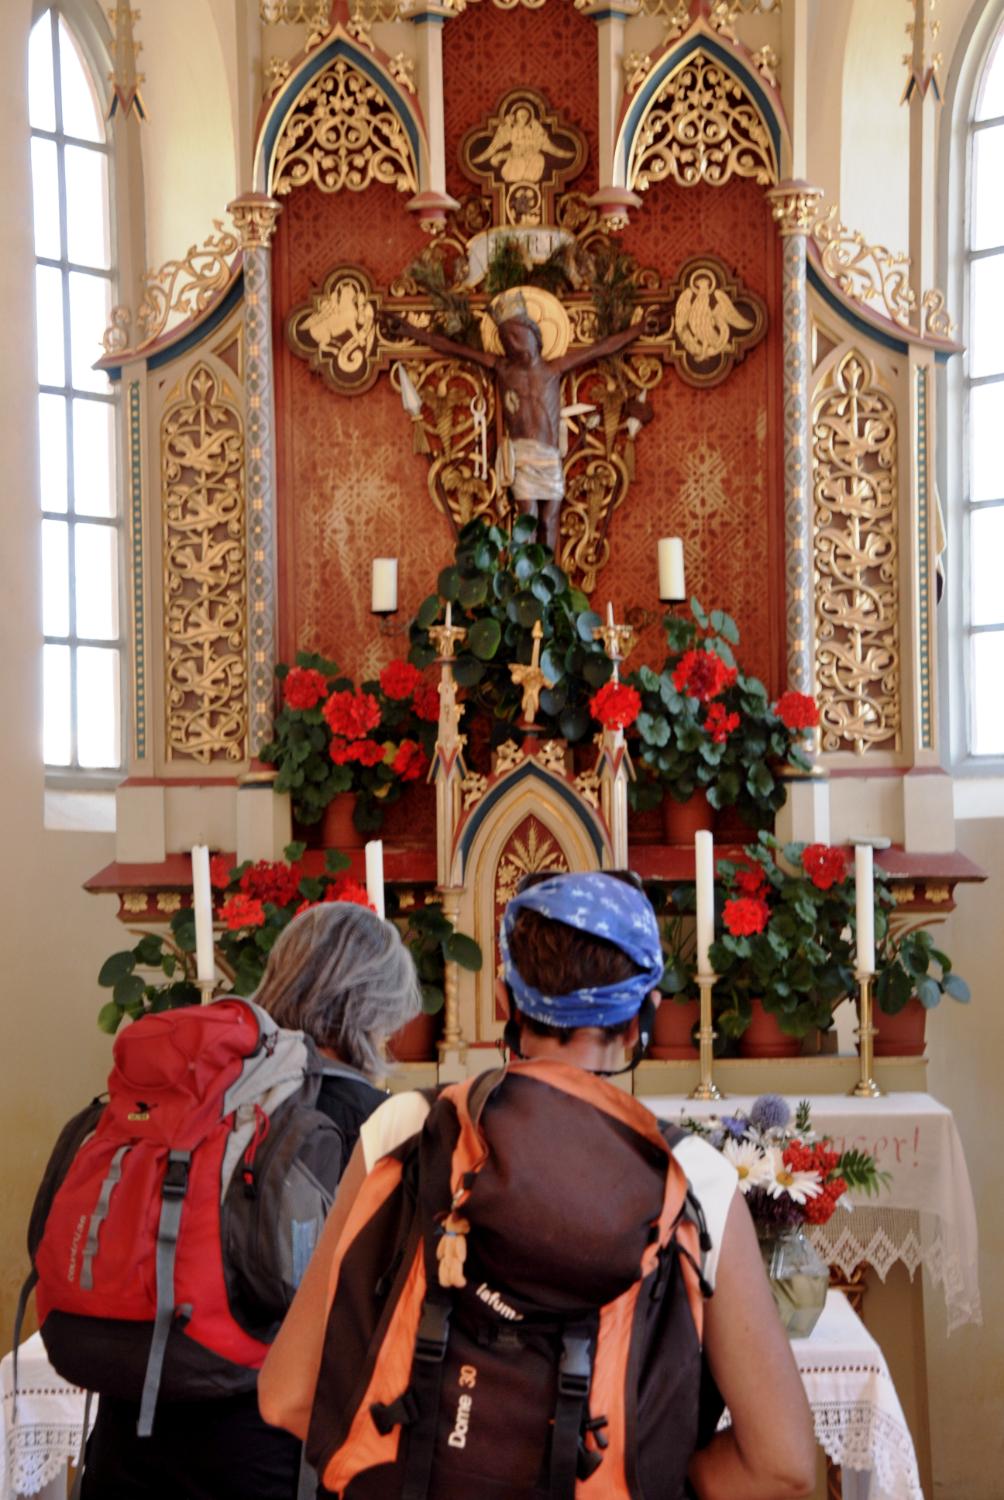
(866, 1087)
(706, 1087)
(207, 988)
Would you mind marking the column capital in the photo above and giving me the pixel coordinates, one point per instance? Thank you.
(607, 10)
(794, 205)
(255, 216)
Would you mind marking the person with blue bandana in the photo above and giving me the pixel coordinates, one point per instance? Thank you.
(564, 1195)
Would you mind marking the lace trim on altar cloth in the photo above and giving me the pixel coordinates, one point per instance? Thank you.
(859, 1437)
(881, 1237)
(38, 1455)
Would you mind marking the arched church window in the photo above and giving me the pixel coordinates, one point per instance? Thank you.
(984, 470)
(74, 287)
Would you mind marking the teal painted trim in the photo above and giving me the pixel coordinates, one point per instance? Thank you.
(319, 60)
(923, 568)
(880, 336)
(136, 535)
(529, 768)
(427, 20)
(671, 61)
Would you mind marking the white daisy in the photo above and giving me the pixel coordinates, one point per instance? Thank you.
(780, 1179)
(748, 1162)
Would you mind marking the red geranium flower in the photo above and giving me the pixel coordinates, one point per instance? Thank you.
(703, 675)
(304, 687)
(616, 705)
(410, 762)
(242, 911)
(426, 704)
(219, 871)
(797, 711)
(347, 889)
(820, 1209)
(823, 865)
(720, 723)
(366, 752)
(745, 915)
(352, 714)
(750, 879)
(400, 679)
(271, 880)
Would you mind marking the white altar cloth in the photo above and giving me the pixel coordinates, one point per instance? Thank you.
(926, 1217)
(45, 1437)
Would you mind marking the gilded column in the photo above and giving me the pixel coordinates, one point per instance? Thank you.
(254, 216)
(794, 205)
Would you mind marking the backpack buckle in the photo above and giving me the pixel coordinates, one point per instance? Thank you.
(433, 1332)
(175, 1184)
(575, 1368)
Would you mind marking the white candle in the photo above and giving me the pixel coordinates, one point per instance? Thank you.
(672, 582)
(864, 897)
(704, 880)
(374, 875)
(383, 595)
(449, 615)
(202, 902)
(610, 613)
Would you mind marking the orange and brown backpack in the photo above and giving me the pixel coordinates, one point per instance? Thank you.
(516, 1304)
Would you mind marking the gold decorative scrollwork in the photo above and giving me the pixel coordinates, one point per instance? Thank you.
(186, 287)
(343, 133)
(871, 273)
(529, 855)
(855, 495)
(937, 323)
(294, 12)
(701, 126)
(205, 585)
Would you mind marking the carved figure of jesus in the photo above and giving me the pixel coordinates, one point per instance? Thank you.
(529, 388)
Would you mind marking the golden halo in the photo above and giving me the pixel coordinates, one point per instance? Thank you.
(545, 310)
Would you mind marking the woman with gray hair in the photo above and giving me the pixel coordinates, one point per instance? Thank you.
(342, 974)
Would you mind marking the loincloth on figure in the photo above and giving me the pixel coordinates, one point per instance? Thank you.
(532, 470)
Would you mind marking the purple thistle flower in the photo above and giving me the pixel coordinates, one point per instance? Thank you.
(770, 1112)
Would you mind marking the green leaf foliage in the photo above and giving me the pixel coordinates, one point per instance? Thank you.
(116, 968)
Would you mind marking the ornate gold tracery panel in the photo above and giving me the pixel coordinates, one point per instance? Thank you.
(855, 497)
(205, 585)
(701, 126)
(343, 133)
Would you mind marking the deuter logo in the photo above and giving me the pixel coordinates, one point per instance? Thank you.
(78, 1234)
(465, 1405)
(492, 1299)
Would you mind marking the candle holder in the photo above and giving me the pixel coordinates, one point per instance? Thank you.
(866, 1087)
(706, 1086)
(207, 989)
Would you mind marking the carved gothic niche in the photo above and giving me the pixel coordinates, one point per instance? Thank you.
(714, 321)
(522, 156)
(701, 126)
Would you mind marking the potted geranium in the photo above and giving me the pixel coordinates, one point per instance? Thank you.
(679, 1012)
(344, 753)
(708, 735)
(793, 1180)
(785, 953)
(911, 977)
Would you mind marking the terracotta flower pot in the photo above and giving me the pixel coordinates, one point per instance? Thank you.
(901, 1035)
(671, 1033)
(681, 820)
(763, 1036)
(337, 828)
(416, 1042)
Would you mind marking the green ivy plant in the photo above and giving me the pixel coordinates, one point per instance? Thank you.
(499, 587)
(909, 964)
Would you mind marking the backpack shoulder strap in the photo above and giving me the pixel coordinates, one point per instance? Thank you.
(72, 1136)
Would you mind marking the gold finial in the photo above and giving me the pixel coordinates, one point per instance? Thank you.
(447, 637)
(618, 640)
(531, 678)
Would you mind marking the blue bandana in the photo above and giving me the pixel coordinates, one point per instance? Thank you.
(603, 907)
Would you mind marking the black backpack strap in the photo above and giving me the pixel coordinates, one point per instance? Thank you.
(172, 1201)
(575, 1373)
(78, 1478)
(425, 1390)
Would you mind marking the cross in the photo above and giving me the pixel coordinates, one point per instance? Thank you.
(618, 640)
(447, 637)
(530, 677)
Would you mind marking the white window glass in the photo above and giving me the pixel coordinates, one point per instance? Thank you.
(52, 452)
(986, 551)
(80, 108)
(95, 572)
(991, 91)
(45, 195)
(987, 698)
(988, 208)
(94, 458)
(97, 707)
(986, 343)
(57, 737)
(77, 405)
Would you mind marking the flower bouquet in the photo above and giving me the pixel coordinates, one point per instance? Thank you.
(708, 727)
(793, 1180)
(331, 737)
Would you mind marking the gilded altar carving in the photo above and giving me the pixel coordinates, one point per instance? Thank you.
(343, 133)
(312, 13)
(521, 156)
(530, 852)
(205, 588)
(336, 331)
(872, 274)
(855, 498)
(715, 321)
(182, 288)
(701, 126)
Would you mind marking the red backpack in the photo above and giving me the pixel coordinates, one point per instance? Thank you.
(173, 1224)
(516, 1304)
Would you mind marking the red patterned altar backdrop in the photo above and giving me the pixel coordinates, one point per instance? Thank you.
(708, 465)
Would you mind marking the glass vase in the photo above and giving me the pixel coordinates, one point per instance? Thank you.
(799, 1279)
